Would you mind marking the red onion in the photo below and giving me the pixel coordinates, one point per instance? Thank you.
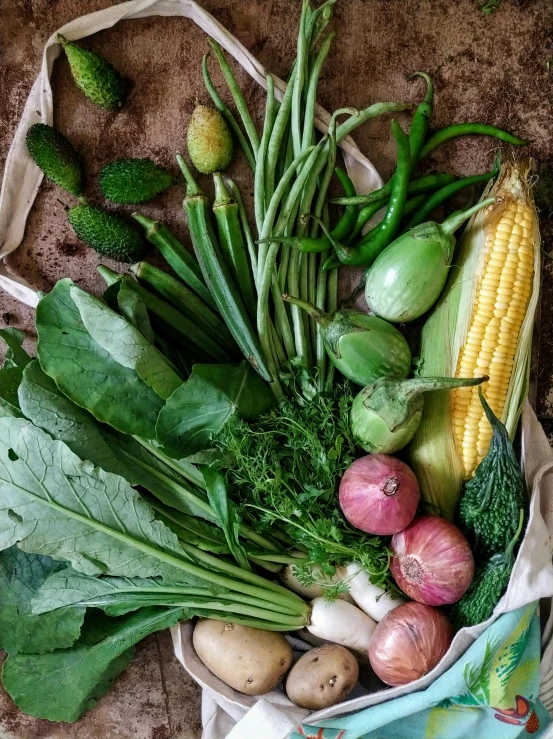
(408, 643)
(379, 494)
(432, 561)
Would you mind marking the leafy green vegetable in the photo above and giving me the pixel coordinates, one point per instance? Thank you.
(62, 685)
(199, 409)
(45, 405)
(119, 388)
(54, 503)
(489, 6)
(10, 378)
(492, 499)
(225, 512)
(21, 576)
(284, 469)
(191, 529)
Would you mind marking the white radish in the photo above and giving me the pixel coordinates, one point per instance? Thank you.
(290, 580)
(341, 623)
(375, 601)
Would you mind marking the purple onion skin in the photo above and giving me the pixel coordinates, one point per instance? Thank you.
(433, 562)
(379, 494)
(408, 643)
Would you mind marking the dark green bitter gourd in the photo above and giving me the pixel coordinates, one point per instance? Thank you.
(131, 181)
(56, 157)
(491, 501)
(107, 233)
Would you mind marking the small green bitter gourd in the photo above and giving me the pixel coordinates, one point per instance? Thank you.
(131, 181)
(56, 157)
(107, 233)
(491, 501)
(95, 76)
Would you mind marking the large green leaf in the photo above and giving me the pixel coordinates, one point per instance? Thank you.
(21, 576)
(114, 595)
(54, 503)
(112, 390)
(199, 409)
(62, 685)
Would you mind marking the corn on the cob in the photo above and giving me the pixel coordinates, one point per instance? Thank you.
(482, 325)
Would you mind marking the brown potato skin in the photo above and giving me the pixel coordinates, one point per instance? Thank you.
(249, 660)
(322, 677)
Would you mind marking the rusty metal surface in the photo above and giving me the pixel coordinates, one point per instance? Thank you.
(492, 69)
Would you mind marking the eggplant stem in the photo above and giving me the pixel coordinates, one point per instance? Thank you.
(411, 388)
(451, 224)
(322, 318)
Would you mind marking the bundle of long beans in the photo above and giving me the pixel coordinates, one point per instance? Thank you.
(293, 167)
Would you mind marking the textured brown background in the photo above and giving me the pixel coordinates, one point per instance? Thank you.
(492, 69)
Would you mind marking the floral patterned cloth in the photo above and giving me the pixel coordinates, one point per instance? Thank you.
(490, 693)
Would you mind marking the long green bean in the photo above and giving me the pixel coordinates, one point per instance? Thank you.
(259, 178)
(226, 113)
(308, 133)
(279, 129)
(299, 80)
(237, 96)
(272, 209)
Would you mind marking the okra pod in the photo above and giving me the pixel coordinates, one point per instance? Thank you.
(176, 255)
(217, 275)
(186, 301)
(171, 316)
(231, 239)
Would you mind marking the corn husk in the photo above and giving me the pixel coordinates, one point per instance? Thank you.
(433, 452)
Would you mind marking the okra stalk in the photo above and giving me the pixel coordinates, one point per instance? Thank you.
(186, 301)
(218, 276)
(176, 255)
(174, 318)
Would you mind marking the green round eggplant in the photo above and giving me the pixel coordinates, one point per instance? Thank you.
(408, 277)
(385, 415)
(363, 347)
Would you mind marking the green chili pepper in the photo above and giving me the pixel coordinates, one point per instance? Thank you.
(428, 183)
(412, 204)
(468, 129)
(446, 192)
(421, 119)
(376, 240)
(369, 211)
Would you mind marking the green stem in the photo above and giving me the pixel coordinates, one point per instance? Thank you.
(281, 595)
(253, 623)
(181, 466)
(451, 224)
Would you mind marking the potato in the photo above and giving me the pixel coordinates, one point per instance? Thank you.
(249, 660)
(322, 677)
